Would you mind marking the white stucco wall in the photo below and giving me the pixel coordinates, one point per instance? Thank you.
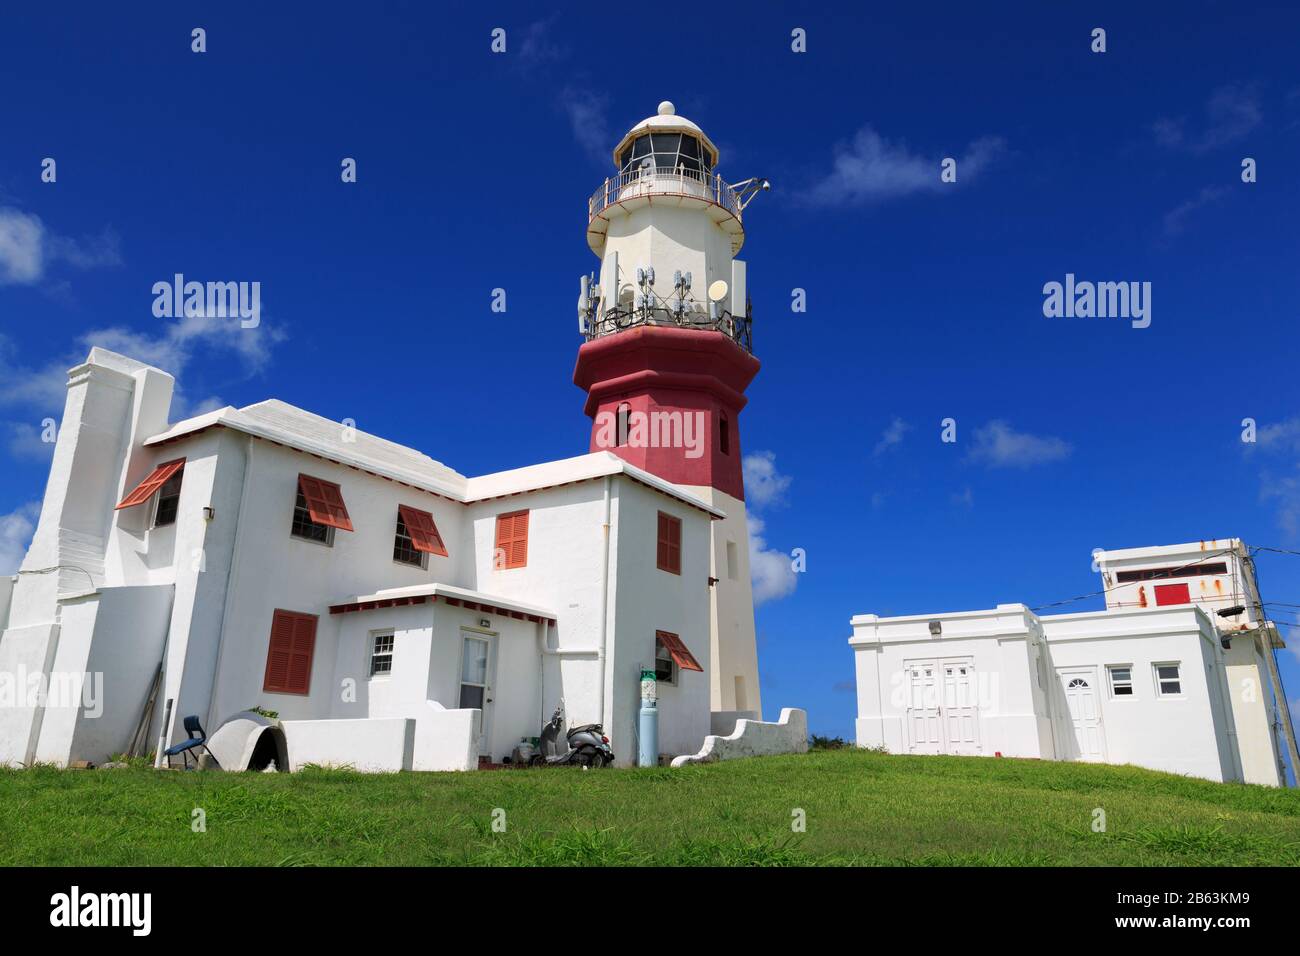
(370, 746)
(1021, 662)
(1188, 733)
(1001, 645)
(229, 562)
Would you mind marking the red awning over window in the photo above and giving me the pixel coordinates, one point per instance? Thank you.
(681, 656)
(155, 480)
(423, 532)
(325, 502)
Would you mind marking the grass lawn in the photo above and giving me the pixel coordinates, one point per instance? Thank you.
(861, 808)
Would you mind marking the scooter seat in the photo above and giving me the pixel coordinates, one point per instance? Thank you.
(583, 728)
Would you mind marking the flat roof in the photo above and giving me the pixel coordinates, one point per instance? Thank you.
(455, 596)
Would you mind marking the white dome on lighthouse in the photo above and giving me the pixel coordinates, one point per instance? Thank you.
(666, 120)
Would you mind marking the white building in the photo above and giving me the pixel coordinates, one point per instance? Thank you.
(1159, 679)
(396, 613)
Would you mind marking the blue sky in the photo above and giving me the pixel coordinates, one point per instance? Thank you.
(924, 299)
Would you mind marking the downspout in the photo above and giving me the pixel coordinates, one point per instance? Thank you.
(604, 609)
(235, 556)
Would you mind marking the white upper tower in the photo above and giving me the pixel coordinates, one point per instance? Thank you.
(666, 228)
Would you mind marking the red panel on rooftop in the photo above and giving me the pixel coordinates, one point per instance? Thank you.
(1172, 594)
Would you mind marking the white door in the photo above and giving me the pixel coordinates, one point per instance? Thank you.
(960, 708)
(924, 722)
(1083, 714)
(476, 682)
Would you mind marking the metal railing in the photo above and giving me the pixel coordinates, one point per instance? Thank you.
(738, 328)
(681, 181)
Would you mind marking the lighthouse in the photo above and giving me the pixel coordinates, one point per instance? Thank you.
(668, 352)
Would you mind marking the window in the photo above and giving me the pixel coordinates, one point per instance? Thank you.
(304, 527)
(168, 501)
(665, 669)
(724, 436)
(381, 655)
(404, 550)
(620, 424)
(512, 540)
(670, 152)
(289, 653)
(1185, 571)
(1168, 682)
(669, 554)
(1121, 680)
(1172, 594)
(422, 529)
(319, 510)
(733, 562)
(668, 643)
(152, 482)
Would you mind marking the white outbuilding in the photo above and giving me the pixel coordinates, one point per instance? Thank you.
(1176, 674)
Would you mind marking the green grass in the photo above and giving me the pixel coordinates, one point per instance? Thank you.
(862, 808)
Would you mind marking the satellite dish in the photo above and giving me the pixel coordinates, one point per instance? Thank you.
(718, 290)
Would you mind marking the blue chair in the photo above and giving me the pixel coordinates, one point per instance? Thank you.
(197, 738)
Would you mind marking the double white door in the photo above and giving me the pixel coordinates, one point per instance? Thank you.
(943, 706)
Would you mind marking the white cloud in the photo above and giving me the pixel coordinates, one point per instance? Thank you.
(764, 485)
(21, 247)
(771, 573)
(27, 249)
(891, 436)
(1231, 112)
(998, 445)
(26, 441)
(586, 111)
(1176, 219)
(15, 534)
(172, 349)
(1284, 490)
(873, 169)
(1283, 436)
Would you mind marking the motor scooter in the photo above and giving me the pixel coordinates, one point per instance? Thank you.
(585, 746)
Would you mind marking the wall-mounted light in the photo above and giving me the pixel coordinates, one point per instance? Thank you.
(209, 512)
(936, 628)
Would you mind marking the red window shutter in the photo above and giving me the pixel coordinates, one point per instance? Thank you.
(512, 538)
(325, 502)
(683, 658)
(152, 482)
(1172, 594)
(423, 531)
(289, 656)
(669, 552)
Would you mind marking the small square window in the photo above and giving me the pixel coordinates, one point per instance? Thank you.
(1168, 680)
(1121, 681)
(305, 527)
(168, 501)
(381, 655)
(665, 667)
(404, 550)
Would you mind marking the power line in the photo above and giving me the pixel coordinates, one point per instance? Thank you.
(1171, 572)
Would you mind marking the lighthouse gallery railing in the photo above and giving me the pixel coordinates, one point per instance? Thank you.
(637, 183)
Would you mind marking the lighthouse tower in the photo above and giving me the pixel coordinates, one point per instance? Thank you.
(668, 352)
